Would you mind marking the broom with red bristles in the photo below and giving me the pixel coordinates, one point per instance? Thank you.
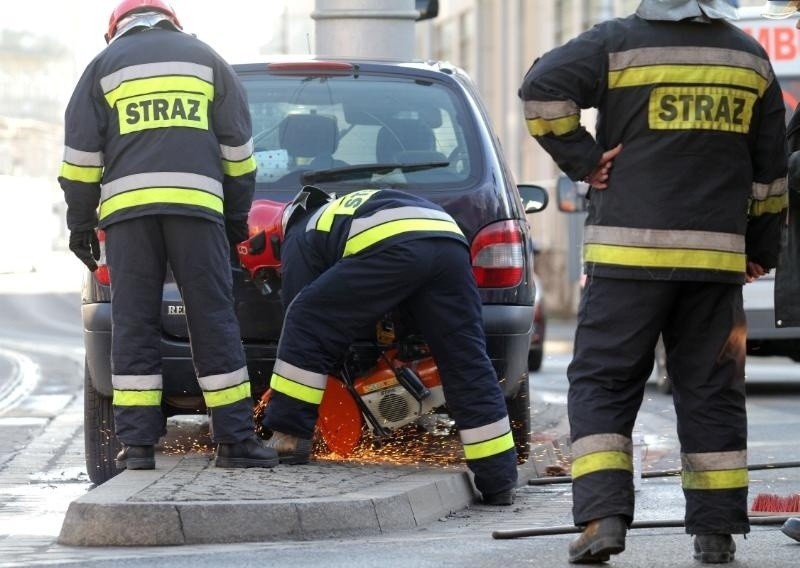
(769, 504)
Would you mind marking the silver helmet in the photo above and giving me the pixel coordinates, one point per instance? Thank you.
(676, 10)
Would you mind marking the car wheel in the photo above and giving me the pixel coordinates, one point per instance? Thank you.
(100, 441)
(519, 414)
(535, 359)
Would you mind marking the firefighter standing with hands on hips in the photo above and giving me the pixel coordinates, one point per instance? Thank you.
(159, 155)
(787, 275)
(346, 262)
(691, 118)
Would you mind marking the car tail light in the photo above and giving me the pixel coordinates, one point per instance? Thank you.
(101, 274)
(497, 255)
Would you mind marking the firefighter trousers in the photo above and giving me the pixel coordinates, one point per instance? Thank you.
(433, 280)
(704, 332)
(197, 251)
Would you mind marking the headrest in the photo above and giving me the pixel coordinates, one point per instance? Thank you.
(403, 135)
(308, 135)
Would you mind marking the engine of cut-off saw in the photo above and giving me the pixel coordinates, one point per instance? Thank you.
(404, 384)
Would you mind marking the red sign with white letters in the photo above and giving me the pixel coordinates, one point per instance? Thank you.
(781, 40)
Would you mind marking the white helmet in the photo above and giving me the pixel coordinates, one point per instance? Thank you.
(780, 10)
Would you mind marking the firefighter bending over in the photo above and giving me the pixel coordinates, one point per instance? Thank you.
(344, 264)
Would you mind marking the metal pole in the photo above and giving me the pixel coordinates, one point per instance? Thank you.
(371, 29)
(664, 473)
(567, 529)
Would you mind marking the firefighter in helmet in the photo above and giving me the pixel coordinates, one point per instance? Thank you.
(158, 154)
(344, 263)
(687, 170)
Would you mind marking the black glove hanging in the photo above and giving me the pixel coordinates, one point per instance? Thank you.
(237, 231)
(86, 247)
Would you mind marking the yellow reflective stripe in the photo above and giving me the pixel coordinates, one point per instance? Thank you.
(85, 174)
(227, 396)
(376, 234)
(155, 86)
(154, 195)
(557, 126)
(240, 168)
(664, 258)
(601, 461)
(687, 74)
(345, 205)
(137, 398)
(296, 390)
(489, 447)
(770, 205)
(721, 479)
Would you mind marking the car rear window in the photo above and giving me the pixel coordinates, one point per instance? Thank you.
(312, 123)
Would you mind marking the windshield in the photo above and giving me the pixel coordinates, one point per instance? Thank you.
(309, 124)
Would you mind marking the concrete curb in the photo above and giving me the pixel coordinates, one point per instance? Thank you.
(114, 514)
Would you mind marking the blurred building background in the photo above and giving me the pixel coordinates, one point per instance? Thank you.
(495, 41)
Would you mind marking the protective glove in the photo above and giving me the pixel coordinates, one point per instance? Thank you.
(86, 247)
(237, 231)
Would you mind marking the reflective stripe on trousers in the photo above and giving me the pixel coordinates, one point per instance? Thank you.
(703, 328)
(137, 251)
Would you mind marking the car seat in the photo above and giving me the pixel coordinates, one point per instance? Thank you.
(310, 140)
(406, 141)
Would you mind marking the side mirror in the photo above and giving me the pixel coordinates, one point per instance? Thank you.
(534, 197)
(571, 195)
(427, 9)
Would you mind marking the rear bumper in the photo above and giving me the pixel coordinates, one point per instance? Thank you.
(177, 368)
(508, 340)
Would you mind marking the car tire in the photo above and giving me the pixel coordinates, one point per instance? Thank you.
(100, 441)
(535, 359)
(519, 414)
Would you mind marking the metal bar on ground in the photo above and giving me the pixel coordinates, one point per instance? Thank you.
(663, 473)
(668, 523)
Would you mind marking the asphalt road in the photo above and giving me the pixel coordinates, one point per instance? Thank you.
(42, 470)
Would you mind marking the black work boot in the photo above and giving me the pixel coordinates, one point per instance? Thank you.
(250, 452)
(714, 548)
(600, 539)
(503, 498)
(136, 457)
(292, 450)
